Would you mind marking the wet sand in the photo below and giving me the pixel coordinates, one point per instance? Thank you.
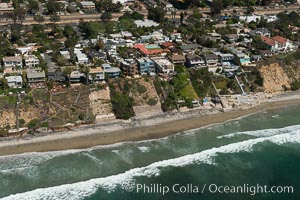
(90, 137)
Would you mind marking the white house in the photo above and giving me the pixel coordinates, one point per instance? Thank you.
(31, 61)
(145, 23)
(278, 43)
(250, 18)
(164, 65)
(13, 61)
(14, 81)
(81, 57)
(96, 74)
(87, 5)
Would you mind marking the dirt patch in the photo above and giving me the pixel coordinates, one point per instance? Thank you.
(101, 105)
(275, 78)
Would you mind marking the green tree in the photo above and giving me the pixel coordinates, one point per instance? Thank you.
(53, 7)
(106, 16)
(33, 6)
(216, 7)
(156, 14)
(54, 18)
(39, 18)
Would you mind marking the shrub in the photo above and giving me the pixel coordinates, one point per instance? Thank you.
(295, 85)
(152, 102)
(33, 123)
(141, 89)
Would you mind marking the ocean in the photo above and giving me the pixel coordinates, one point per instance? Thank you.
(256, 157)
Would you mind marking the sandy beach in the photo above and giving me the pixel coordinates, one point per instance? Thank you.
(157, 127)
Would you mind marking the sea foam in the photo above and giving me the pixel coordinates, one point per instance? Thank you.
(83, 189)
(262, 133)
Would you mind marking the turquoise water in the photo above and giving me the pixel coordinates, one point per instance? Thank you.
(259, 149)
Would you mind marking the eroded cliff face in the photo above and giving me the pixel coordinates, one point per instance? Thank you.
(275, 78)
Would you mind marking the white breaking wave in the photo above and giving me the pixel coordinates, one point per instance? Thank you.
(27, 160)
(80, 190)
(144, 149)
(263, 133)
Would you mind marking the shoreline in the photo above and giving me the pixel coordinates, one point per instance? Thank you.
(153, 128)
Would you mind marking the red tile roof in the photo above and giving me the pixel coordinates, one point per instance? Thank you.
(146, 51)
(167, 44)
(268, 41)
(280, 39)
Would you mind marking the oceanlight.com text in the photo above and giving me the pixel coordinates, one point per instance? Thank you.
(209, 188)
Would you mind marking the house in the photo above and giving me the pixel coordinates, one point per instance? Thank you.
(227, 61)
(231, 37)
(189, 47)
(151, 3)
(13, 62)
(177, 58)
(244, 59)
(129, 67)
(94, 55)
(65, 54)
(225, 57)
(270, 18)
(110, 70)
(193, 60)
(76, 76)
(176, 37)
(277, 43)
(6, 8)
(167, 45)
(149, 49)
(250, 18)
(14, 81)
(56, 76)
(36, 78)
(214, 36)
(31, 61)
(163, 65)
(266, 53)
(87, 5)
(212, 60)
(260, 32)
(96, 74)
(166, 5)
(146, 66)
(284, 44)
(256, 58)
(146, 22)
(81, 57)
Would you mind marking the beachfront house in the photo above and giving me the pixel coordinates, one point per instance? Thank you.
(193, 60)
(14, 81)
(177, 58)
(56, 76)
(36, 78)
(163, 65)
(129, 67)
(146, 66)
(96, 74)
(76, 77)
(277, 43)
(111, 71)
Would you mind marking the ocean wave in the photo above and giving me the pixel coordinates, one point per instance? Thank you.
(26, 160)
(80, 190)
(144, 149)
(262, 133)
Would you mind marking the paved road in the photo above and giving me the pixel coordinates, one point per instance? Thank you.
(75, 18)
